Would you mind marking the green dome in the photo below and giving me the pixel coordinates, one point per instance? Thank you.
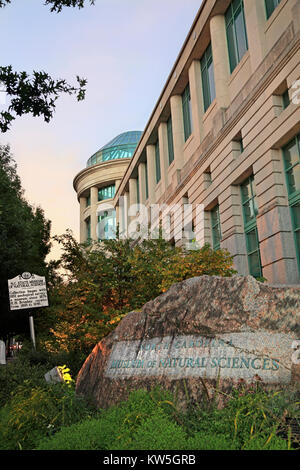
(122, 146)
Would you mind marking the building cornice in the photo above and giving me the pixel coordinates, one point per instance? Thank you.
(95, 168)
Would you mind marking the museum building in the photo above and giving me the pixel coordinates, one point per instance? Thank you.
(224, 134)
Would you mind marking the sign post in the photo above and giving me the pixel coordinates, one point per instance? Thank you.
(27, 291)
(32, 335)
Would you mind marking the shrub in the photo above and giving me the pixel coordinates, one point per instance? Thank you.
(112, 279)
(15, 373)
(149, 421)
(158, 432)
(115, 428)
(35, 412)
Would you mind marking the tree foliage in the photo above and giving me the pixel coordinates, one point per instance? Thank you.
(56, 5)
(36, 94)
(110, 279)
(24, 237)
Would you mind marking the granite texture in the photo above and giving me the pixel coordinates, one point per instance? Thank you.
(264, 320)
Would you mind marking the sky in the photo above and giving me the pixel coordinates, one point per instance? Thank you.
(124, 48)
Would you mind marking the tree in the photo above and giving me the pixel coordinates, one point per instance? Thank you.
(24, 239)
(107, 280)
(37, 94)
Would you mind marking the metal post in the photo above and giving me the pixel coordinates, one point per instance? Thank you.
(32, 335)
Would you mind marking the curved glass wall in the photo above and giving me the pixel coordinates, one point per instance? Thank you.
(107, 192)
(122, 146)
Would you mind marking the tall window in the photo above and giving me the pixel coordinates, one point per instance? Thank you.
(291, 155)
(88, 201)
(187, 112)
(249, 213)
(236, 32)
(107, 225)
(208, 79)
(157, 162)
(88, 229)
(216, 227)
(106, 193)
(285, 99)
(170, 140)
(270, 6)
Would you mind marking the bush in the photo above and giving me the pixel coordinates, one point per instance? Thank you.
(35, 412)
(115, 428)
(112, 279)
(15, 373)
(149, 421)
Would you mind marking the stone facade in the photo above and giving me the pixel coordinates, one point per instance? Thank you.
(240, 137)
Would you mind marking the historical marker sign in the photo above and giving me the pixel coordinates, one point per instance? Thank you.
(27, 291)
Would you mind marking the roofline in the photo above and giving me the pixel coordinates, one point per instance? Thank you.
(97, 166)
(168, 80)
(106, 146)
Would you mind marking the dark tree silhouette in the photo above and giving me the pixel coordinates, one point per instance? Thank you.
(36, 94)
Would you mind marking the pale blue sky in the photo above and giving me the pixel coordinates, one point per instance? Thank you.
(125, 49)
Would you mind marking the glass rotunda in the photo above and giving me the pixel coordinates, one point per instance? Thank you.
(122, 146)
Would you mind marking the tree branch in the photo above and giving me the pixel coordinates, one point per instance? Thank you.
(36, 95)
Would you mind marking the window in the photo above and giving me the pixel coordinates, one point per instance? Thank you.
(236, 32)
(88, 201)
(208, 79)
(88, 229)
(291, 156)
(107, 225)
(106, 193)
(216, 227)
(285, 99)
(187, 112)
(250, 210)
(270, 6)
(295, 213)
(249, 213)
(170, 140)
(157, 162)
(252, 244)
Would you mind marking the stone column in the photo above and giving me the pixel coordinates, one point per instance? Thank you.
(132, 196)
(178, 130)
(195, 79)
(274, 225)
(220, 60)
(94, 216)
(232, 227)
(163, 153)
(125, 218)
(82, 234)
(132, 191)
(203, 232)
(117, 184)
(255, 17)
(150, 150)
(142, 182)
